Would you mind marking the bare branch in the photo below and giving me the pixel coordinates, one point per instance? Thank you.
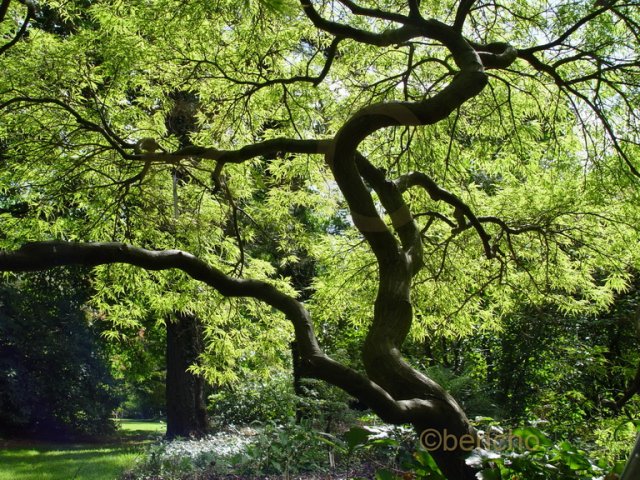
(255, 85)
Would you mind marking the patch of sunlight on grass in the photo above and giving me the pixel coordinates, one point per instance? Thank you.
(53, 462)
(24, 460)
(142, 426)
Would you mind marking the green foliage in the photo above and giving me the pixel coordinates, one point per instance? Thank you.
(54, 379)
(423, 466)
(528, 452)
(153, 463)
(394, 448)
(282, 449)
(137, 359)
(561, 461)
(598, 359)
(288, 449)
(272, 400)
(528, 155)
(473, 393)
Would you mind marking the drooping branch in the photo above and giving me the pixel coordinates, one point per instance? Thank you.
(265, 148)
(45, 255)
(569, 89)
(604, 68)
(570, 31)
(116, 143)
(386, 38)
(437, 193)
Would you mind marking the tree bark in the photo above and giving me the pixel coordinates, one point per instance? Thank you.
(632, 469)
(186, 408)
(296, 369)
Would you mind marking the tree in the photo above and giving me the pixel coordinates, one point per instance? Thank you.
(55, 381)
(482, 152)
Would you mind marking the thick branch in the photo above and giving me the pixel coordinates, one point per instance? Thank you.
(268, 147)
(389, 37)
(341, 156)
(392, 201)
(464, 7)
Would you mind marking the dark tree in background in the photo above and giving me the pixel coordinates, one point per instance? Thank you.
(186, 409)
(54, 376)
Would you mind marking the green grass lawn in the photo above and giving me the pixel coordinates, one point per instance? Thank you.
(142, 429)
(47, 461)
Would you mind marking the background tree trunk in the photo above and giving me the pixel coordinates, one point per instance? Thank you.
(186, 408)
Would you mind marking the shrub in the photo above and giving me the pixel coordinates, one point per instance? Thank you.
(254, 401)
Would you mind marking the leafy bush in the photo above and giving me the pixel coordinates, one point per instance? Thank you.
(254, 401)
(274, 401)
(288, 449)
(521, 453)
(283, 449)
(529, 453)
(326, 407)
(181, 457)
